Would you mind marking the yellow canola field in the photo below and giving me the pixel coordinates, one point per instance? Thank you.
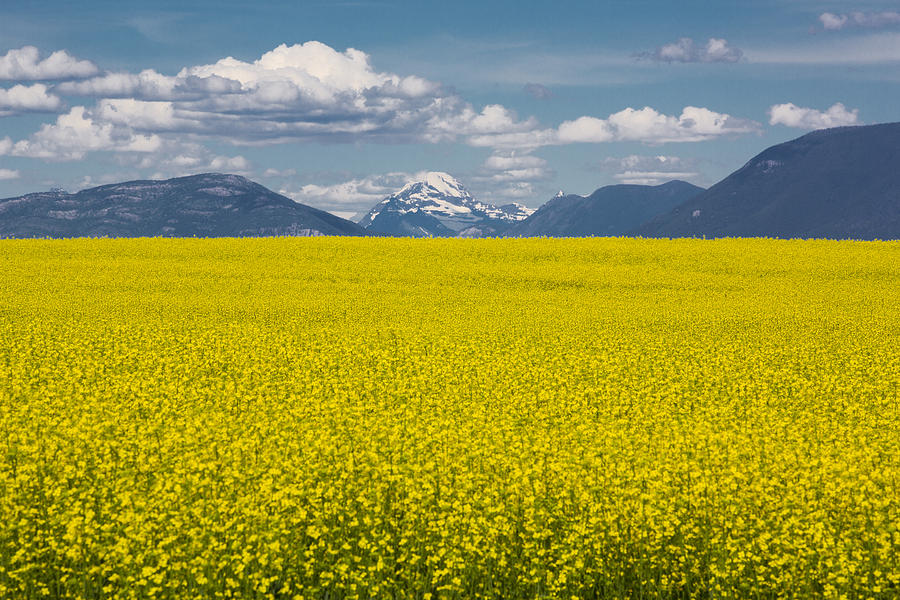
(424, 419)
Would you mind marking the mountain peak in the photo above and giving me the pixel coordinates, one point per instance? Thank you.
(204, 205)
(833, 183)
(609, 211)
(435, 182)
(439, 205)
(445, 184)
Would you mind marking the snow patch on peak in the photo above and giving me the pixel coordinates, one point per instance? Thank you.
(769, 165)
(445, 184)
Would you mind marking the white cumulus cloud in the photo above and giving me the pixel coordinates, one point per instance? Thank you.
(312, 92)
(493, 120)
(354, 195)
(76, 133)
(25, 64)
(648, 125)
(800, 117)
(301, 92)
(31, 98)
(645, 125)
(6, 174)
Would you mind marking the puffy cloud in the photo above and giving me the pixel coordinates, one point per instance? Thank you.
(792, 115)
(645, 125)
(538, 91)
(25, 64)
(141, 114)
(229, 164)
(359, 194)
(685, 50)
(312, 92)
(32, 98)
(835, 22)
(313, 66)
(587, 129)
(6, 146)
(300, 92)
(6, 174)
(493, 121)
(650, 126)
(76, 133)
(311, 82)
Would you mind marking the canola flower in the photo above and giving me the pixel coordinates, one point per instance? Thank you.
(430, 419)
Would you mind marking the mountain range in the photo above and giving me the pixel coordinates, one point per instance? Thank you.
(833, 183)
(613, 210)
(440, 206)
(208, 205)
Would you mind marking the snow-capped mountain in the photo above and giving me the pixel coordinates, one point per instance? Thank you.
(439, 206)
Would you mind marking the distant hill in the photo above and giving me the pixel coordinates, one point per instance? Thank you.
(834, 183)
(609, 211)
(440, 206)
(209, 205)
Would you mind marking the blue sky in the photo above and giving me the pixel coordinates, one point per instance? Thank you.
(336, 104)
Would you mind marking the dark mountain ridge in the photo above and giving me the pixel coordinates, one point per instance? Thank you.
(612, 210)
(207, 205)
(841, 183)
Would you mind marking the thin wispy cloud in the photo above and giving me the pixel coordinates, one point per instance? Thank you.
(648, 169)
(536, 90)
(867, 49)
(685, 50)
(872, 20)
(510, 176)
